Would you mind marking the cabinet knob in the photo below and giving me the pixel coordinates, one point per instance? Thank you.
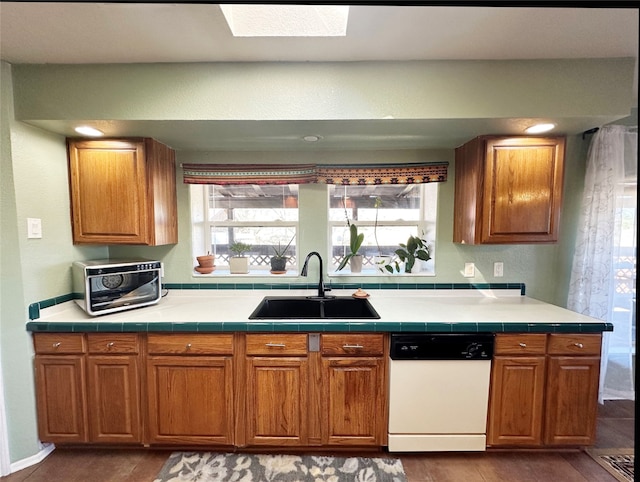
(188, 346)
(346, 347)
(276, 345)
(522, 345)
(57, 344)
(110, 344)
(579, 345)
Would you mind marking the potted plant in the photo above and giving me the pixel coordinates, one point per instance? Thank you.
(205, 263)
(279, 260)
(353, 257)
(415, 249)
(382, 262)
(239, 263)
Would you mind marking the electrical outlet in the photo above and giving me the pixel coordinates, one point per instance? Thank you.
(469, 270)
(498, 269)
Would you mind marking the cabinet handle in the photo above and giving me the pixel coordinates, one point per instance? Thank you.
(579, 345)
(276, 345)
(57, 344)
(346, 347)
(523, 345)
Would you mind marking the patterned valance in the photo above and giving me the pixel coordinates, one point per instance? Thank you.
(351, 174)
(249, 173)
(383, 173)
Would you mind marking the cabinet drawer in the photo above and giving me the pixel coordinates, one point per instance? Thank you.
(114, 343)
(190, 344)
(576, 344)
(352, 345)
(59, 343)
(277, 344)
(520, 344)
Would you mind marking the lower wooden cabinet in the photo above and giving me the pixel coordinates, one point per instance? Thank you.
(277, 385)
(544, 390)
(190, 389)
(354, 397)
(88, 388)
(290, 389)
(61, 398)
(328, 391)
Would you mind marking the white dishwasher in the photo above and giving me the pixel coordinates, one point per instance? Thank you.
(439, 391)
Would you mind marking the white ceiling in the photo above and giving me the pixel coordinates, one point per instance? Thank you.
(74, 33)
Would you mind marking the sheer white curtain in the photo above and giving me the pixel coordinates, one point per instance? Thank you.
(604, 268)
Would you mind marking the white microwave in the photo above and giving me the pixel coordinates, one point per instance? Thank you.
(104, 286)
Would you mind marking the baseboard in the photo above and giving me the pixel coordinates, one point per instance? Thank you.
(34, 459)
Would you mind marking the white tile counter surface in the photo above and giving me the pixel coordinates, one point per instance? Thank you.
(399, 310)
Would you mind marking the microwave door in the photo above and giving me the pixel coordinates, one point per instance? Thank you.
(145, 292)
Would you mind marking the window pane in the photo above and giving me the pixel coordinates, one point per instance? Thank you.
(396, 203)
(263, 217)
(386, 215)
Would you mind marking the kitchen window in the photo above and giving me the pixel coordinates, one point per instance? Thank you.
(387, 215)
(261, 216)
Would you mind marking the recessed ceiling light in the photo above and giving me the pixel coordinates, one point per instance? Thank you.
(286, 20)
(540, 128)
(89, 131)
(311, 138)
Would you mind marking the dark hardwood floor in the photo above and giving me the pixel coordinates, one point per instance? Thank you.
(615, 430)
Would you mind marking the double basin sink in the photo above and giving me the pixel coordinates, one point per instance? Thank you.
(313, 307)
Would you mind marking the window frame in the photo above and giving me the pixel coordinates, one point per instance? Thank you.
(426, 223)
(207, 226)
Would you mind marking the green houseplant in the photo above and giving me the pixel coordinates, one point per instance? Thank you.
(239, 263)
(353, 257)
(415, 249)
(279, 259)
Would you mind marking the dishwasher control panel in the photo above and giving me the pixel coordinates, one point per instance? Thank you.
(442, 346)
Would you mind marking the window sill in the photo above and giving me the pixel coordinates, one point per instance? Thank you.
(224, 273)
(369, 273)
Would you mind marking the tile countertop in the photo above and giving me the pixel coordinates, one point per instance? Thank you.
(438, 311)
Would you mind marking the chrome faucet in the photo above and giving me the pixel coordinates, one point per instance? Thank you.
(321, 287)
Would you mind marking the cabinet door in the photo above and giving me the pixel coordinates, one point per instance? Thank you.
(572, 398)
(516, 401)
(61, 403)
(354, 404)
(190, 400)
(114, 399)
(277, 401)
(522, 189)
(108, 192)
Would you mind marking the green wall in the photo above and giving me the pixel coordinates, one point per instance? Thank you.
(34, 185)
(534, 265)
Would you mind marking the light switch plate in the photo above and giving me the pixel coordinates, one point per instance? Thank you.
(34, 228)
(469, 270)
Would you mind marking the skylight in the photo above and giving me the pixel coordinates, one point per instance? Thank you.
(286, 20)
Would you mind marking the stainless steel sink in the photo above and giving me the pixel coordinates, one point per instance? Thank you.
(312, 307)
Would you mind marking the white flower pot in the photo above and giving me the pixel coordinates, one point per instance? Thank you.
(238, 265)
(355, 263)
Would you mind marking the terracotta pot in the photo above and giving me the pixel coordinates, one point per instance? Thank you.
(205, 261)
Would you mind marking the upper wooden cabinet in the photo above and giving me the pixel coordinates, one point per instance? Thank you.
(508, 190)
(122, 192)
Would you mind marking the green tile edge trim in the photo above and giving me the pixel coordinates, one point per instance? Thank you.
(34, 308)
(320, 326)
